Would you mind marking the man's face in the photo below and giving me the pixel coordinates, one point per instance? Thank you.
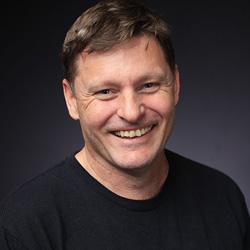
(125, 100)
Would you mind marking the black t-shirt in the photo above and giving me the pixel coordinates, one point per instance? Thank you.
(65, 208)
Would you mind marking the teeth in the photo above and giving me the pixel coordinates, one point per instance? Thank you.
(126, 134)
(138, 132)
(133, 133)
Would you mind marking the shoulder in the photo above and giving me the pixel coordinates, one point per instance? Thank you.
(198, 173)
(39, 184)
(44, 205)
(37, 196)
(49, 205)
(211, 193)
(39, 207)
(207, 183)
(213, 190)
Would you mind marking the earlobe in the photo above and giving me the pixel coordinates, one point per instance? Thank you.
(70, 100)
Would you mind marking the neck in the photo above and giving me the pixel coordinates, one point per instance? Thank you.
(136, 184)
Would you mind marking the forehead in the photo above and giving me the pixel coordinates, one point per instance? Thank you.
(130, 60)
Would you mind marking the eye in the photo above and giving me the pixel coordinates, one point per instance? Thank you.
(150, 87)
(105, 94)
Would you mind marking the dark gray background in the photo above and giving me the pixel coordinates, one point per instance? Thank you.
(212, 42)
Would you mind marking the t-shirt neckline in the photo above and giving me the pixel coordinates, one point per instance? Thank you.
(137, 205)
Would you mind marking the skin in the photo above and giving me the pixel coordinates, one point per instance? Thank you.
(128, 87)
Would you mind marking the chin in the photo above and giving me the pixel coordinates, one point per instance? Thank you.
(134, 161)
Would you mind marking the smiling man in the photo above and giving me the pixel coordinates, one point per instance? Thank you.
(126, 114)
(123, 190)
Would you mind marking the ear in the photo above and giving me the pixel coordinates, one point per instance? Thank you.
(176, 85)
(70, 100)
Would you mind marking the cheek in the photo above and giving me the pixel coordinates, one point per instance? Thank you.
(96, 114)
(163, 105)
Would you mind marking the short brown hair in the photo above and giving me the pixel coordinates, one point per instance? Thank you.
(109, 23)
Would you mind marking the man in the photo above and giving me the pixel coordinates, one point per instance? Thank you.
(123, 190)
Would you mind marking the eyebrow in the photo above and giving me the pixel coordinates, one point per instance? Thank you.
(161, 77)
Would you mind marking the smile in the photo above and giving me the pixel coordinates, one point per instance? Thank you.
(133, 133)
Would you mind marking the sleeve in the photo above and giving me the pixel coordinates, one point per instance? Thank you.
(242, 214)
(9, 241)
(239, 208)
(247, 235)
(247, 240)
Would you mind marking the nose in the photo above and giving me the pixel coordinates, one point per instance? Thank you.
(130, 109)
